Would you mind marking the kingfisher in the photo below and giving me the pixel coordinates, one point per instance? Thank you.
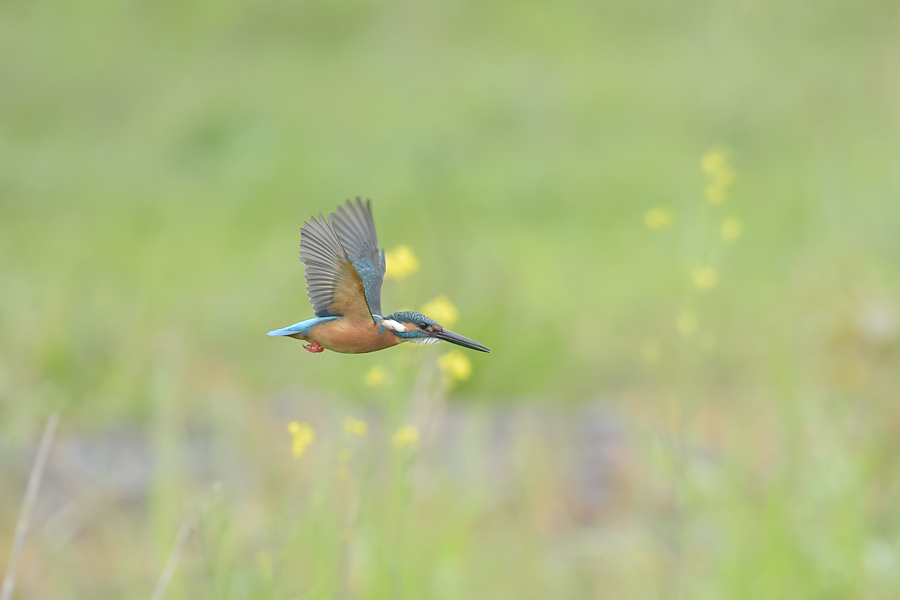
(344, 272)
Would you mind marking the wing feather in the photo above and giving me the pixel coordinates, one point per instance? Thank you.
(332, 283)
(355, 228)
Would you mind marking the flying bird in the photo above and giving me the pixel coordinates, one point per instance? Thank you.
(344, 271)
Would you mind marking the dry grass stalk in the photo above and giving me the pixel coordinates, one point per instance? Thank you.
(31, 492)
(169, 571)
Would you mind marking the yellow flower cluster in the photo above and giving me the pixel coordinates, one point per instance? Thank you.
(731, 229)
(456, 366)
(706, 277)
(376, 377)
(355, 427)
(302, 436)
(441, 310)
(400, 262)
(406, 437)
(659, 217)
(715, 164)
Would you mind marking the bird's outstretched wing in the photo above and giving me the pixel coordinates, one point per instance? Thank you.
(332, 283)
(355, 229)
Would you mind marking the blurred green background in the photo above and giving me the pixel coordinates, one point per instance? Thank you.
(733, 397)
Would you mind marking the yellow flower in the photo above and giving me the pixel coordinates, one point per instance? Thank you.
(456, 366)
(441, 310)
(303, 435)
(706, 278)
(342, 474)
(731, 229)
(686, 324)
(658, 217)
(400, 262)
(716, 193)
(406, 437)
(376, 377)
(714, 160)
(355, 427)
(715, 164)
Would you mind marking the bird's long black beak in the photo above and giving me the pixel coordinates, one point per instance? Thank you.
(459, 340)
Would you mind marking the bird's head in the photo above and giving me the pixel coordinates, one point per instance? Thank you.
(418, 328)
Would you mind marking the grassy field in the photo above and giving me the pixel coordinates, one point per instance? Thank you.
(676, 225)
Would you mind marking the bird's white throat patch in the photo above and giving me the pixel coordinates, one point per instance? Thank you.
(424, 340)
(394, 325)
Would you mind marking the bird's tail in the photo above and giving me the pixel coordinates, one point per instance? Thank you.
(292, 330)
(303, 327)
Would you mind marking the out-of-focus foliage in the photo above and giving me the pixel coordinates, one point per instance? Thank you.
(685, 213)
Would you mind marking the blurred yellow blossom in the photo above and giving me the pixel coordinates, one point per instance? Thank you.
(716, 193)
(705, 277)
(303, 435)
(376, 377)
(456, 366)
(400, 262)
(355, 427)
(686, 324)
(659, 217)
(731, 229)
(406, 437)
(714, 160)
(341, 474)
(441, 310)
(715, 163)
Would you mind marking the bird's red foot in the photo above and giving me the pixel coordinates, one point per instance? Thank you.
(315, 348)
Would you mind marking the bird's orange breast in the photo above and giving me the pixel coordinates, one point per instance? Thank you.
(352, 336)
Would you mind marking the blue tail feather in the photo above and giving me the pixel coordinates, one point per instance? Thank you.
(303, 327)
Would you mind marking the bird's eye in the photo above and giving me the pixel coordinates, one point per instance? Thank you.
(423, 325)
